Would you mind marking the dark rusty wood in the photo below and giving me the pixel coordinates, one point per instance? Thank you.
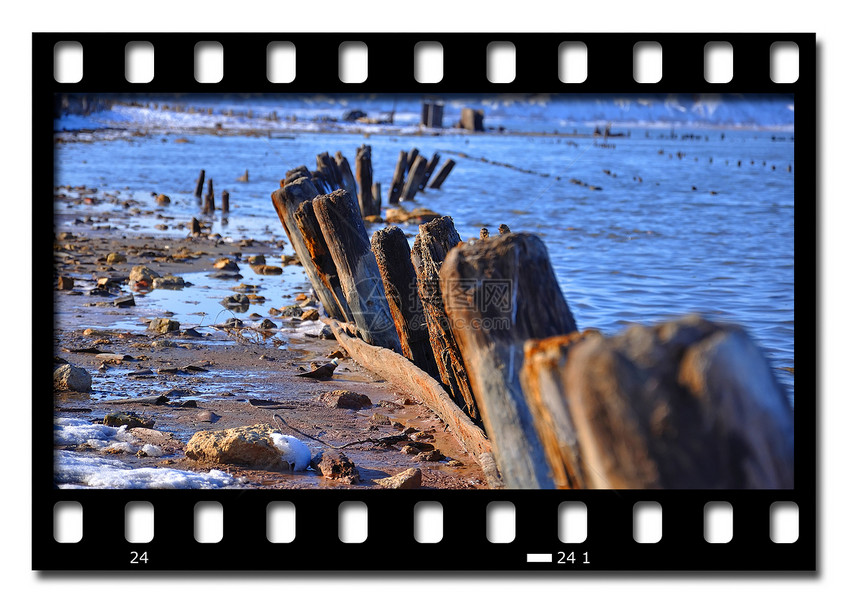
(416, 175)
(286, 202)
(499, 293)
(342, 227)
(391, 249)
(364, 179)
(443, 173)
(396, 189)
(198, 190)
(428, 171)
(432, 244)
(686, 404)
(314, 240)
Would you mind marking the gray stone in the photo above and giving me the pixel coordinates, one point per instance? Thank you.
(72, 378)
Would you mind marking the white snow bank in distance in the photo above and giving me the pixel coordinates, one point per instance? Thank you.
(295, 452)
(72, 469)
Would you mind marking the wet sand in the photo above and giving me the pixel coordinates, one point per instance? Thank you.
(229, 367)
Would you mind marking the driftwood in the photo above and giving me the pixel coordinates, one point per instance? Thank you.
(325, 269)
(396, 189)
(498, 294)
(432, 244)
(198, 190)
(391, 249)
(443, 173)
(404, 374)
(687, 404)
(343, 229)
(286, 202)
(416, 175)
(428, 170)
(364, 178)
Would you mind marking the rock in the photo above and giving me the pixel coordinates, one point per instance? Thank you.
(233, 323)
(72, 378)
(243, 288)
(115, 258)
(124, 302)
(415, 448)
(162, 199)
(257, 260)
(162, 326)
(373, 219)
(168, 282)
(379, 419)
(64, 283)
(129, 419)
(250, 446)
(407, 479)
(206, 416)
(433, 455)
(301, 297)
(141, 275)
(417, 216)
(310, 315)
(268, 270)
(236, 301)
(256, 299)
(455, 463)
(267, 324)
(334, 465)
(291, 311)
(163, 343)
(226, 264)
(345, 399)
(326, 334)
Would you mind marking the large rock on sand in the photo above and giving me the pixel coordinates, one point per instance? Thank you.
(334, 465)
(407, 479)
(72, 378)
(254, 446)
(345, 399)
(142, 275)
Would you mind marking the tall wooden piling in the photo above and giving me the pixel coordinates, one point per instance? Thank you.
(286, 202)
(498, 294)
(396, 189)
(428, 171)
(364, 178)
(443, 173)
(225, 201)
(416, 175)
(347, 178)
(391, 249)
(410, 158)
(198, 190)
(432, 244)
(342, 226)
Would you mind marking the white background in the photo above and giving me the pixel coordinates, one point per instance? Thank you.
(837, 260)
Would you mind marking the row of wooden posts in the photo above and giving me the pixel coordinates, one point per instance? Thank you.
(488, 320)
(209, 200)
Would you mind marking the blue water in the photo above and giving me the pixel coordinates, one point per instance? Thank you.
(630, 252)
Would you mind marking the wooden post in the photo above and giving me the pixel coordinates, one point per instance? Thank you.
(499, 293)
(326, 165)
(396, 188)
(198, 191)
(686, 404)
(315, 243)
(347, 179)
(443, 173)
(410, 159)
(225, 201)
(364, 177)
(416, 175)
(296, 173)
(342, 227)
(376, 191)
(286, 202)
(431, 166)
(432, 244)
(391, 249)
(210, 198)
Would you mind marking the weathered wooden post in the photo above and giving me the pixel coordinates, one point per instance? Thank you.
(416, 175)
(198, 191)
(210, 198)
(428, 170)
(342, 227)
(432, 244)
(286, 202)
(443, 173)
(396, 188)
(376, 191)
(347, 179)
(315, 243)
(326, 166)
(499, 293)
(686, 404)
(410, 158)
(391, 249)
(225, 201)
(364, 178)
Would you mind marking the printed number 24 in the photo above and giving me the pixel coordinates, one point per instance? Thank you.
(136, 558)
(570, 558)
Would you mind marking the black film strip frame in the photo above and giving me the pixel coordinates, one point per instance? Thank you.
(390, 544)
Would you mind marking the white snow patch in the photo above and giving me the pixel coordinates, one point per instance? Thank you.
(295, 452)
(152, 450)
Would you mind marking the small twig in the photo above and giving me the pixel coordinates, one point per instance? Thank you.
(385, 440)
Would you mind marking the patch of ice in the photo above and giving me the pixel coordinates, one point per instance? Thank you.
(81, 431)
(71, 470)
(152, 450)
(295, 452)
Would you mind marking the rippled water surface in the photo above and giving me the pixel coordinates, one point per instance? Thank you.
(632, 251)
